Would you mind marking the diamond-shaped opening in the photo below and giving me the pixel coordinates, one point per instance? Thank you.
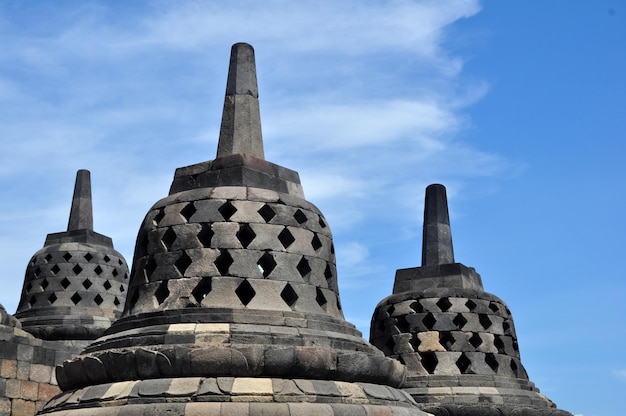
(48, 257)
(202, 289)
(183, 263)
(303, 267)
(168, 239)
(115, 273)
(444, 304)
(390, 310)
(223, 262)
(76, 298)
(150, 267)
(267, 213)
(106, 258)
(67, 256)
(77, 269)
(37, 271)
(116, 301)
(286, 238)
(429, 361)
(245, 235)
(322, 223)
(389, 346)
(55, 269)
(205, 235)
(332, 248)
(492, 362)
(98, 299)
(415, 342)
(120, 262)
(107, 285)
(44, 284)
(320, 298)
(471, 305)
(162, 292)
(499, 344)
(227, 210)
(506, 327)
(88, 257)
(52, 298)
(484, 321)
(245, 292)
(494, 307)
(417, 307)
(463, 363)
(188, 211)
(159, 216)
(32, 300)
(447, 340)
(289, 295)
(515, 346)
(476, 340)
(87, 283)
(429, 320)
(316, 243)
(338, 303)
(266, 264)
(514, 367)
(459, 320)
(65, 282)
(300, 216)
(402, 324)
(29, 287)
(328, 273)
(98, 270)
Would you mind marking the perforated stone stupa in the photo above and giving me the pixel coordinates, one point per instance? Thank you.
(75, 286)
(457, 341)
(233, 306)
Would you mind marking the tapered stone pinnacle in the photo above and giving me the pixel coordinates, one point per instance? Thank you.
(240, 131)
(437, 237)
(81, 214)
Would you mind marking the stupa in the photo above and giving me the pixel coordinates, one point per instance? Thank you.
(75, 286)
(457, 341)
(233, 305)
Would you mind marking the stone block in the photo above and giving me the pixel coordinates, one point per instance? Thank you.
(203, 409)
(269, 409)
(8, 369)
(23, 408)
(311, 409)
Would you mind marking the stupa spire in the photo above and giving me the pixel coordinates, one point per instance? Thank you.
(81, 213)
(240, 131)
(437, 237)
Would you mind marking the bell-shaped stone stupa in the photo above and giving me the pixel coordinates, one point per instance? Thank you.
(75, 286)
(457, 341)
(233, 306)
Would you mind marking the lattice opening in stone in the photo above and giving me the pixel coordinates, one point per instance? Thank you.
(267, 213)
(52, 298)
(390, 310)
(44, 284)
(150, 267)
(429, 321)
(444, 304)
(159, 216)
(106, 258)
(223, 262)
(417, 307)
(76, 298)
(245, 235)
(106, 285)
(492, 362)
(98, 299)
(188, 211)
(65, 282)
(168, 239)
(162, 292)
(332, 248)
(286, 238)
(32, 300)
(300, 216)
(67, 256)
(202, 289)
(120, 262)
(122, 288)
(245, 292)
(48, 257)
(227, 210)
(29, 287)
(471, 305)
(463, 363)
(499, 344)
(402, 324)
(447, 340)
(88, 257)
(322, 223)
(183, 263)
(328, 273)
(116, 301)
(266, 264)
(316, 243)
(389, 346)
(506, 327)
(494, 307)
(303, 267)
(475, 340)
(98, 270)
(87, 283)
(320, 298)
(289, 295)
(514, 367)
(429, 361)
(205, 235)
(37, 271)
(55, 269)
(459, 320)
(77, 269)
(484, 321)
(415, 342)
(515, 345)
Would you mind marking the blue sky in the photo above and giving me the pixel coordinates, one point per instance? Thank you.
(517, 107)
